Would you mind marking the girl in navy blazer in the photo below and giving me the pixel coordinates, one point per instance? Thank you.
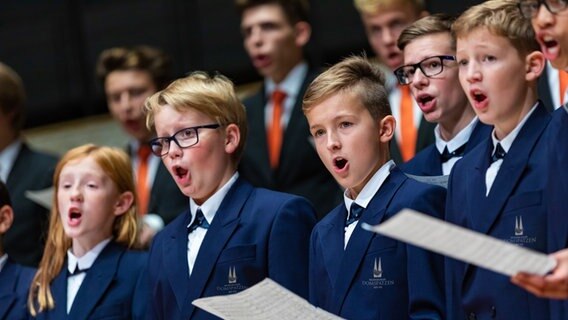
(88, 270)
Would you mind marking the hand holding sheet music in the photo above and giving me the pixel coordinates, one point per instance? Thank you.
(463, 244)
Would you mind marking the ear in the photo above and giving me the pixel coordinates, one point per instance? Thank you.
(6, 218)
(303, 32)
(387, 126)
(232, 138)
(123, 203)
(534, 65)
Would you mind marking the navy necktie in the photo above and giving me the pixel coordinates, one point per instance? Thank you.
(356, 212)
(77, 271)
(447, 155)
(199, 221)
(499, 153)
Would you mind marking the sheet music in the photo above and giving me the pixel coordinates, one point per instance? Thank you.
(463, 244)
(441, 181)
(265, 300)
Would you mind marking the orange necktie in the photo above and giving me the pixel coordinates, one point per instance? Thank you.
(563, 76)
(407, 128)
(275, 130)
(142, 179)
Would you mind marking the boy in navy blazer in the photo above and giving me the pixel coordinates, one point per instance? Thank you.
(497, 189)
(550, 22)
(15, 279)
(354, 273)
(233, 235)
(431, 72)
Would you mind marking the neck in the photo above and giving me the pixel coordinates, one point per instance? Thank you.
(449, 129)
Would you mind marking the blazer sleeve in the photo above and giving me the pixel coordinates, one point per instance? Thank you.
(425, 269)
(288, 245)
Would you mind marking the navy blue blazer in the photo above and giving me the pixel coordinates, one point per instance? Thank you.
(428, 162)
(15, 281)
(377, 277)
(115, 287)
(556, 195)
(514, 211)
(256, 233)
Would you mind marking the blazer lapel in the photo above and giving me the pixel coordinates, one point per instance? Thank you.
(361, 239)
(224, 224)
(332, 238)
(96, 281)
(178, 271)
(511, 169)
(59, 292)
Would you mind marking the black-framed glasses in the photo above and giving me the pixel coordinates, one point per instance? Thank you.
(184, 138)
(430, 66)
(529, 8)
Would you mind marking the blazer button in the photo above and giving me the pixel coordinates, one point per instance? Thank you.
(472, 316)
(493, 312)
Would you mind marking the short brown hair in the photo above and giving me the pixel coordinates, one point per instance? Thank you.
(212, 95)
(294, 10)
(12, 96)
(356, 74)
(436, 23)
(142, 58)
(502, 18)
(374, 6)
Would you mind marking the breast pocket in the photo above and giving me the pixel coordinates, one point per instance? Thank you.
(238, 253)
(522, 201)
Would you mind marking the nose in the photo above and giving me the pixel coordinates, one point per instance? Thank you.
(255, 37)
(419, 79)
(76, 194)
(543, 17)
(333, 142)
(472, 73)
(174, 151)
(389, 37)
(125, 102)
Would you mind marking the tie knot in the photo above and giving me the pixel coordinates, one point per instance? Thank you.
(278, 96)
(447, 155)
(144, 152)
(355, 213)
(78, 271)
(199, 221)
(499, 153)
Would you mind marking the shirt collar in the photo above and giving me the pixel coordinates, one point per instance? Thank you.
(507, 142)
(8, 157)
(291, 84)
(459, 140)
(211, 205)
(371, 188)
(87, 260)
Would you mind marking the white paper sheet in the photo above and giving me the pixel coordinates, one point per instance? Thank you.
(463, 244)
(266, 300)
(441, 181)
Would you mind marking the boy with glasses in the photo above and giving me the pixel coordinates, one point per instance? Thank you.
(431, 72)
(233, 235)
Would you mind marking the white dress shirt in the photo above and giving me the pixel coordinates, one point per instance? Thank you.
(506, 143)
(365, 196)
(209, 209)
(83, 263)
(3, 261)
(459, 140)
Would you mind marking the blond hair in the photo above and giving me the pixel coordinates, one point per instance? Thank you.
(12, 96)
(213, 96)
(116, 165)
(501, 18)
(355, 74)
(374, 6)
(436, 23)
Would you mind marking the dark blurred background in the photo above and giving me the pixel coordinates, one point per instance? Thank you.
(54, 44)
